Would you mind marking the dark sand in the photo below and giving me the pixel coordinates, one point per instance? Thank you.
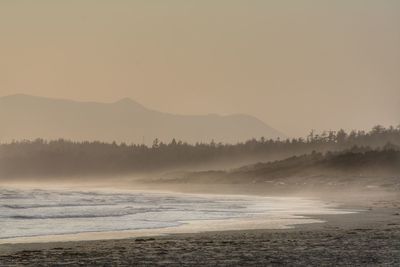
(369, 238)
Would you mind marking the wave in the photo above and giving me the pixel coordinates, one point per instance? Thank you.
(88, 215)
(49, 212)
(39, 217)
(33, 206)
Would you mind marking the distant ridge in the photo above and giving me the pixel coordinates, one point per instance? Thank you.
(29, 117)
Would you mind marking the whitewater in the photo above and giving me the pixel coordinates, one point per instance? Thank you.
(33, 212)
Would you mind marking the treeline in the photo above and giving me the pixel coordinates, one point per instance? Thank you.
(361, 161)
(63, 157)
(349, 165)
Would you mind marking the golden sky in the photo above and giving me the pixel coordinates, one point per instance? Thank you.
(296, 65)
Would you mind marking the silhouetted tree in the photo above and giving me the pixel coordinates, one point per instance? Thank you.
(63, 157)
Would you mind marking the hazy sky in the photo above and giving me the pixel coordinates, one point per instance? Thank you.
(296, 65)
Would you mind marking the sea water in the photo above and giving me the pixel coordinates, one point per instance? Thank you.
(38, 212)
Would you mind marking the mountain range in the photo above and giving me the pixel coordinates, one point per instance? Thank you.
(30, 117)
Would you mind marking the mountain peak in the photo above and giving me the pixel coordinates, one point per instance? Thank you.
(29, 117)
(126, 101)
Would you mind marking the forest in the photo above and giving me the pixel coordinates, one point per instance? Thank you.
(42, 158)
(357, 164)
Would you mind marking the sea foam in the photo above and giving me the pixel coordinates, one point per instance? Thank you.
(34, 212)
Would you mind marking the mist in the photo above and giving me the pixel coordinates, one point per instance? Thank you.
(200, 133)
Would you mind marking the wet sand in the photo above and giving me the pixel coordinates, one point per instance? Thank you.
(369, 238)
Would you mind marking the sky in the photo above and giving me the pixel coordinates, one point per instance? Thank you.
(297, 65)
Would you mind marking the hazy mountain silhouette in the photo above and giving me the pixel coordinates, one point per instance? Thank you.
(29, 117)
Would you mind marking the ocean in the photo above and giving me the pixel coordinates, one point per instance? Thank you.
(33, 212)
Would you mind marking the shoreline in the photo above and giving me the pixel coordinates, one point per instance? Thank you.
(375, 233)
(370, 237)
(283, 219)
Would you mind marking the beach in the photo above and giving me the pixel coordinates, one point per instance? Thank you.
(367, 238)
